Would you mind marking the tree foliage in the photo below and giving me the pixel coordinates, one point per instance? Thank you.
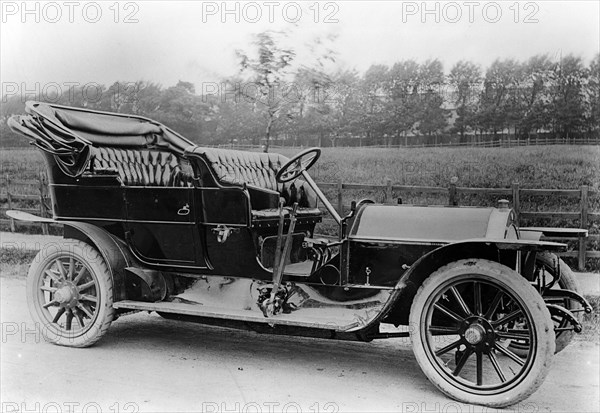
(274, 98)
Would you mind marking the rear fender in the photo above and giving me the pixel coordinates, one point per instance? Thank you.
(113, 250)
(501, 251)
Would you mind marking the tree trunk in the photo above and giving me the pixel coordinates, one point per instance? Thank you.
(268, 134)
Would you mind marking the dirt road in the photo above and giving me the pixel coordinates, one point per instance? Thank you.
(146, 363)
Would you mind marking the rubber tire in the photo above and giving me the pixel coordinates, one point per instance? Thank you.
(516, 285)
(96, 264)
(567, 282)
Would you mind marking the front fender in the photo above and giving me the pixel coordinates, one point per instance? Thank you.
(503, 251)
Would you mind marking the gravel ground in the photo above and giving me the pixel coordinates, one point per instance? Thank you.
(146, 363)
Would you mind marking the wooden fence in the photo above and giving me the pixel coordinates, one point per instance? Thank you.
(471, 141)
(41, 201)
(33, 191)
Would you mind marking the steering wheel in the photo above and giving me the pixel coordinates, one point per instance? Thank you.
(298, 164)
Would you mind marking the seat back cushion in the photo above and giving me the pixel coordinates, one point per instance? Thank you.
(239, 167)
(140, 167)
(258, 169)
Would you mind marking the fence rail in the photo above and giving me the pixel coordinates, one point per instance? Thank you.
(417, 142)
(41, 203)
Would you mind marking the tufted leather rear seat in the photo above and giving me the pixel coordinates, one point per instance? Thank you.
(259, 170)
(140, 167)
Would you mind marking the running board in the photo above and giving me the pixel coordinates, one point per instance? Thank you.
(199, 310)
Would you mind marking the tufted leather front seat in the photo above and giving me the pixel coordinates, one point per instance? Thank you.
(259, 169)
(139, 167)
(239, 167)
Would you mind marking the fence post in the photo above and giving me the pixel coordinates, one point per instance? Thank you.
(9, 199)
(452, 198)
(583, 224)
(388, 192)
(516, 201)
(42, 205)
(340, 198)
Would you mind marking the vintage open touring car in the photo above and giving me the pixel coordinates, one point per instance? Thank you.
(153, 222)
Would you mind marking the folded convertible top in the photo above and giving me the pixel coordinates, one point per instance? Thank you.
(68, 132)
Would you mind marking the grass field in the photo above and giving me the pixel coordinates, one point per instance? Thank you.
(533, 167)
(549, 167)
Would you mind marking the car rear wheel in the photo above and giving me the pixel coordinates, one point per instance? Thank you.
(550, 263)
(70, 294)
(460, 322)
(553, 273)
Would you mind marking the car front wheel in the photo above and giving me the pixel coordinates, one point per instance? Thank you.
(70, 294)
(461, 320)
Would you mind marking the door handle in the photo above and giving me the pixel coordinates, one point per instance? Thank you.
(185, 210)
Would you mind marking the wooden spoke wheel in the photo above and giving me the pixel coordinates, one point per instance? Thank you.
(461, 321)
(69, 293)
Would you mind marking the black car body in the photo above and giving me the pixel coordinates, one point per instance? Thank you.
(154, 222)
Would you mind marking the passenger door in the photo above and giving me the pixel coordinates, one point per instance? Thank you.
(161, 225)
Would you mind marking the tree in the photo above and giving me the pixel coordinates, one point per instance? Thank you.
(568, 104)
(403, 97)
(536, 76)
(465, 79)
(373, 100)
(432, 115)
(593, 95)
(181, 109)
(268, 68)
(235, 119)
(498, 107)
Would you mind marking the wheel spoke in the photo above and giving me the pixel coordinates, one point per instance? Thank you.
(69, 319)
(53, 276)
(494, 305)
(510, 355)
(461, 302)
(477, 298)
(449, 313)
(461, 363)
(449, 347)
(479, 355)
(79, 275)
(59, 313)
(508, 318)
(443, 331)
(88, 297)
(50, 304)
(497, 367)
(71, 268)
(513, 335)
(79, 318)
(85, 310)
(48, 288)
(61, 268)
(85, 286)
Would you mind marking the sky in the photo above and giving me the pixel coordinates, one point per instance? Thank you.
(75, 42)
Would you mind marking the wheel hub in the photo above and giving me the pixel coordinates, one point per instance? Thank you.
(474, 334)
(66, 295)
